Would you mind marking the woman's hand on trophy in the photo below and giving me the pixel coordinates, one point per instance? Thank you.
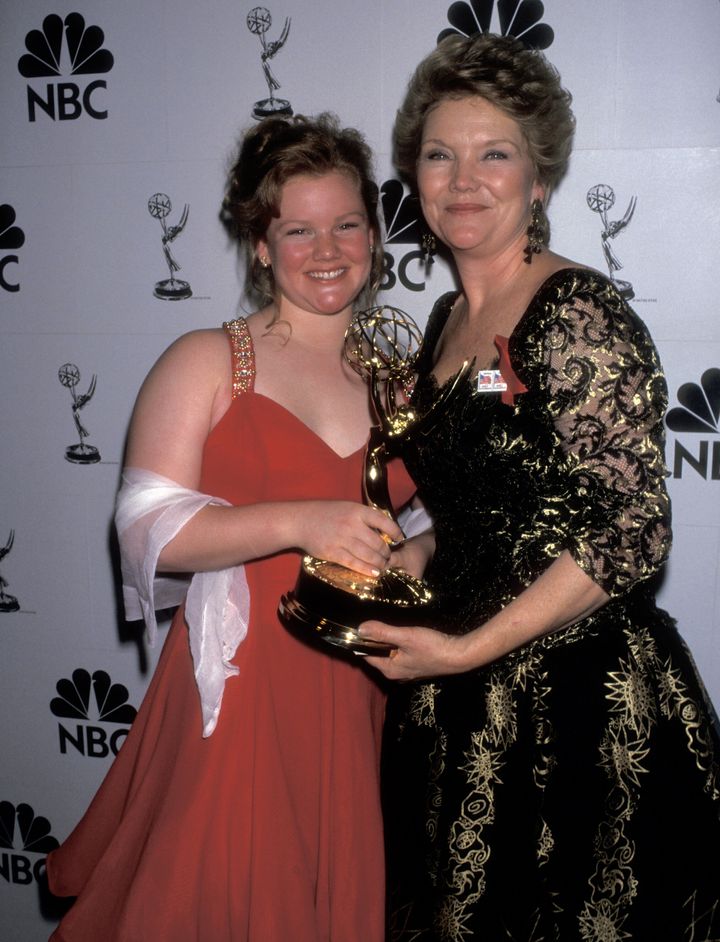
(351, 534)
(418, 653)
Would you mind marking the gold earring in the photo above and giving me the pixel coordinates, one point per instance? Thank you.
(429, 247)
(538, 232)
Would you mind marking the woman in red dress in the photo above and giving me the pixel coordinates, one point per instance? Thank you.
(248, 810)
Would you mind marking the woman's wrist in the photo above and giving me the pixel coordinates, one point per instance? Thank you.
(414, 554)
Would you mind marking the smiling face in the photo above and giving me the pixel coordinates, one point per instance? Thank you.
(319, 245)
(475, 177)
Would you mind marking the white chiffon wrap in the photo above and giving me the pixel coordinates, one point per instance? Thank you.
(150, 511)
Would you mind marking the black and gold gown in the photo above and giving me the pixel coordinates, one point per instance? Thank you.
(571, 789)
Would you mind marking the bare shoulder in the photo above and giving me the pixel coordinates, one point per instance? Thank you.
(178, 403)
(199, 357)
(197, 345)
(554, 263)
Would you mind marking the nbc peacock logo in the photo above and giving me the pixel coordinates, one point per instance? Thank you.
(11, 237)
(92, 699)
(65, 47)
(25, 840)
(698, 414)
(520, 18)
(403, 226)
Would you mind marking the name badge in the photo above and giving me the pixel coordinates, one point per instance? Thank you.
(490, 381)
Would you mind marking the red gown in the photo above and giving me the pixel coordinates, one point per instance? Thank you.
(270, 829)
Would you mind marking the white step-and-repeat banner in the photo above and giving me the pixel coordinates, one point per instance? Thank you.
(117, 123)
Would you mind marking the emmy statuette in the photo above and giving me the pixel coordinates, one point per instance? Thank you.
(329, 601)
(172, 288)
(600, 199)
(81, 452)
(259, 22)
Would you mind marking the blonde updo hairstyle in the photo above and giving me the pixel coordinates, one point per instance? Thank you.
(273, 152)
(500, 69)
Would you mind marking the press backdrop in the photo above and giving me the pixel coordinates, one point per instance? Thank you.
(117, 122)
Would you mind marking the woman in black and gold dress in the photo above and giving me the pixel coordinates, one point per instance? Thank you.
(552, 765)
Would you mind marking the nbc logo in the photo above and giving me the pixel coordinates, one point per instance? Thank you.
(11, 237)
(19, 825)
(698, 414)
(81, 53)
(111, 706)
(519, 18)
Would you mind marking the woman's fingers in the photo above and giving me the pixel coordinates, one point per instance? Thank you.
(353, 535)
(420, 652)
(385, 526)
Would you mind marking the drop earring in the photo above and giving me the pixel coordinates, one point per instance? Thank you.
(538, 231)
(264, 261)
(428, 247)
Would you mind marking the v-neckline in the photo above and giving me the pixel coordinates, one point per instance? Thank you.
(304, 425)
(525, 314)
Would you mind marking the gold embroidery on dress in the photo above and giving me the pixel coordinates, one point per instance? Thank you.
(546, 843)
(434, 800)
(450, 921)
(243, 356)
(501, 715)
(630, 691)
(468, 851)
(422, 705)
(702, 926)
(613, 885)
(676, 702)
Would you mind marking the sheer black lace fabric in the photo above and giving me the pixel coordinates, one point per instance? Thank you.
(522, 798)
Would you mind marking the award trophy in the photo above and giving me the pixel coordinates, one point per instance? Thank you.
(600, 199)
(259, 22)
(69, 376)
(8, 603)
(329, 601)
(172, 288)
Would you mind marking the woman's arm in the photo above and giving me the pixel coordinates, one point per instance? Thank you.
(183, 397)
(414, 554)
(563, 594)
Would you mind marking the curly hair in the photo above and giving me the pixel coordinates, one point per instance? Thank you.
(500, 69)
(270, 154)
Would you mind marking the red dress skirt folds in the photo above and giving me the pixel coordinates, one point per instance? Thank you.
(270, 829)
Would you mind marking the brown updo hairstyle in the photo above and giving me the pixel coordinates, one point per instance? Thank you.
(500, 69)
(271, 153)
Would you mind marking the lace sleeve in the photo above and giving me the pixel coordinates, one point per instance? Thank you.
(606, 395)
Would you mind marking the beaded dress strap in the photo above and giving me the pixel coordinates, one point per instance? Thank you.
(243, 356)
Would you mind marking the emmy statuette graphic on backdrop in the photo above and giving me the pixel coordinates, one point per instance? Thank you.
(329, 601)
(82, 453)
(600, 199)
(172, 288)
(8, 603)
(259, 22)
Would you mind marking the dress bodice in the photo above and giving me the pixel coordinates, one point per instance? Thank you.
(573, 463)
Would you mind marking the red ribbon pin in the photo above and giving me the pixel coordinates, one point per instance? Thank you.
(513, 383)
